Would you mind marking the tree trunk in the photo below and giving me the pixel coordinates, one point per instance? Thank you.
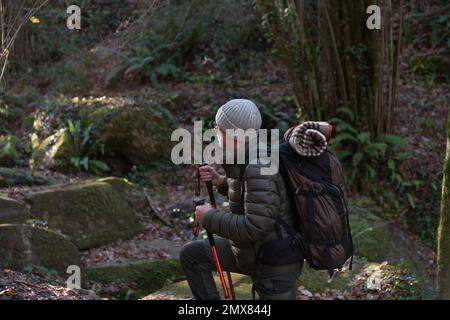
(443, 258)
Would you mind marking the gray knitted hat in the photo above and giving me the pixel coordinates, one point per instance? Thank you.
(239, 114)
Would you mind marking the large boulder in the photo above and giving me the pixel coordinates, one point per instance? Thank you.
(90, 213)
(134, 279)
(23, 245)
(135, 197)
(10, 177)
(12, 211)
(134, 134)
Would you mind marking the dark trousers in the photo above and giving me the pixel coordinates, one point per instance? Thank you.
(198, 264)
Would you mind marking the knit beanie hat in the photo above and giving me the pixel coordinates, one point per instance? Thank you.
(239, 114)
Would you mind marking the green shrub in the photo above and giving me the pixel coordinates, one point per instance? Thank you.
(8, 155)
(180, 34)
(12, 149)
(67, 78)
(50, 41)
(371, 166)
(85, 149)
(424, 219)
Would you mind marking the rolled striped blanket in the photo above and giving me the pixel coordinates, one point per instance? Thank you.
(309, 139)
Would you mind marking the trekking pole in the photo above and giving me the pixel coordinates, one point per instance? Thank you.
(212, 243)
(212, 199)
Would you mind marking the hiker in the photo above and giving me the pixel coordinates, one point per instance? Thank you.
(257, 203)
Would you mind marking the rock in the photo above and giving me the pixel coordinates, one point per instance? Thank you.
(54, 151)
(12, 211)
(181, 291)
(135, 134)
(135, 197)
(318, 281)
(134, 280)
(9, 155)
(312, 285)
(24, 245)
(90, 213)
(379, 241)
(10, 177)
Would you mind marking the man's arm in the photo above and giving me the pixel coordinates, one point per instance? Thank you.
(223, 187)
(261, 202)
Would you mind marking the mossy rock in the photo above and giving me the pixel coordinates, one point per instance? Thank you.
(314, 281)
(9, 153)
(377, 241)
(12, 211)
(24, 245)
(135, 135)
(180, 290)
(396, 282)
(54, 151)
(10, 177)
(133, 195)
(134, 280)
(89, 213)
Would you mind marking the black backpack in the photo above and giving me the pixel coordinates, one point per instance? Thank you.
(319, 204)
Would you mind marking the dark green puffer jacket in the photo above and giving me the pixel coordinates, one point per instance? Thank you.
(251, 221)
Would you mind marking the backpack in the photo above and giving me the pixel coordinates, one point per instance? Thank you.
(319, 204)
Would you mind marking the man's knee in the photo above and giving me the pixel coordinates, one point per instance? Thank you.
(191, 252)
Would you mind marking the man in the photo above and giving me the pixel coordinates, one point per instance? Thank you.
(257, 202)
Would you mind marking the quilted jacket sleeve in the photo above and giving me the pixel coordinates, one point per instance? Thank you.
(261, 203)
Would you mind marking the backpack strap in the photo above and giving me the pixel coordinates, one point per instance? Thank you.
(310, 194)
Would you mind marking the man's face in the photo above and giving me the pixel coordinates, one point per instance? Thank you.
(222, 138)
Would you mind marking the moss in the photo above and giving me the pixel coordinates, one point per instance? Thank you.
(317, 281)
(11, 149)
(371, 238)
(140, 135)
(12, 211)
(24, 245)
(55, 151)
(9, 156)
(181, 290)
(443, 251)
(142, 277)
(90, 213)
(10, 177)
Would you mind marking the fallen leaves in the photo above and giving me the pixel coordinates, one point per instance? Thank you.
(142, 246)
(15, 285)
